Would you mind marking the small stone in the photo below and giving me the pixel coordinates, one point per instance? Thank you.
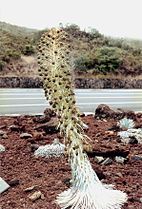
(120, 159)
(13, 128)
(107, 161)
(49, 127)
(4, 136)
(136, 157)
(25, 136)
(114, 128)
(85, 127)
(13, 182)
(42, 196)
(133, 140)
(119, 174)
(109, 133)
(141, 199)
(34, 147)
(104, 120)
(67, 182)
(35, 196)
(133, 199)
(98, 134)
(41, 119)
(2, 148)
(100, 174)
(2, 126)
(3, 185)
(30, 188)
(2, 133)
(99, 159)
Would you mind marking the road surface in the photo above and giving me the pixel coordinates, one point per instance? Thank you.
(32, 101)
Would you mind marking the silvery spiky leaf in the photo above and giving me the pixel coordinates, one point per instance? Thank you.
(127, 135)
(56, 149)
(87, 191)
(2, 148)
(123, 134)
(126, 123)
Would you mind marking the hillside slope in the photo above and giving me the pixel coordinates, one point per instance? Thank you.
(17, 30)
(15, 42)
(94, 54)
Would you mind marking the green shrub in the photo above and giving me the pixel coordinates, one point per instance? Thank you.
(92, 50)
(108, 59)
(103, 60)
(28, 50)
(2, 64)
(84, 62)
(13, 54)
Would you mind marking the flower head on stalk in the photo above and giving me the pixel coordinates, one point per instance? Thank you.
(87, 191)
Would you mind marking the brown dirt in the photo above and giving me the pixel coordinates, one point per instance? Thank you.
(51, 175)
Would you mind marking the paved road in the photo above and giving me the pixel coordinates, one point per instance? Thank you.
(32, 101)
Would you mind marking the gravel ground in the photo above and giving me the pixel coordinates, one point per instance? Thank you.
(21, 169)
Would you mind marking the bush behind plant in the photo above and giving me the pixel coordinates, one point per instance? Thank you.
(104, 59)
(93, 52)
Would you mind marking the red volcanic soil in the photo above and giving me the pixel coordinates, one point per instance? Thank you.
(21, 169)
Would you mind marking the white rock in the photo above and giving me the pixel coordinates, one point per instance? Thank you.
(25, 136)
(35, 196)
(120, 159)
(3, 185)
(4, 136)
(2, 133)
(85, 126)
(2, 148)
(99, 159)
(107, 161)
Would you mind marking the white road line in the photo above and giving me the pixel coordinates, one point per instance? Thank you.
(77, 95)
(79, 104)
(83, 92)
(13, 94)
(24, 105)
(42, 98)
(27, 98)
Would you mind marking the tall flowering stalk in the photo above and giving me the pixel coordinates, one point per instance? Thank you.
(86, 192)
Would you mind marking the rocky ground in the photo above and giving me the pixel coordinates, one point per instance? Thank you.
(114, 161)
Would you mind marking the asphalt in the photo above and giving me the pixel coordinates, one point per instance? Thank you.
(32, 101)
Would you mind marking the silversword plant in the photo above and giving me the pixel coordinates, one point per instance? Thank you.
(55, 64)
(129, 132)
(56, 149)
(126, 123)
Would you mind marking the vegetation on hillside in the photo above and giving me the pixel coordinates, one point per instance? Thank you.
(93, 52)
(17, 30)
(15, 41)
(96, 53)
